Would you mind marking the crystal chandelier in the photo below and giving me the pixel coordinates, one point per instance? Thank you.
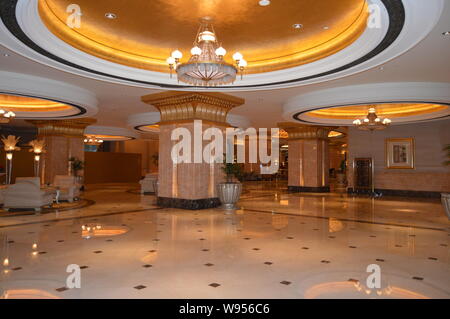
(92, 140)
(206, 66)
(6, 116)
(372, 122)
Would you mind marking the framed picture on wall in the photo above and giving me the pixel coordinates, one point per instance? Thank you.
(399, 153)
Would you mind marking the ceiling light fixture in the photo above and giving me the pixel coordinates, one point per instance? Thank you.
(206, 66)
(6, 116)
(297, 26)
(372, 122)
(92, 140)
(446, 33)
(110, 15)
(264, 3)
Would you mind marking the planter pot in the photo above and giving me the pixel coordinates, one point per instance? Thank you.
(445, 198)
(340, 177)
(229, 194)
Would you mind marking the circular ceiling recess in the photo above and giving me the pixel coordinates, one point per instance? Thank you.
(128, 42)
(31, 107)
(110, 133)
(144, 33)
(397, 112)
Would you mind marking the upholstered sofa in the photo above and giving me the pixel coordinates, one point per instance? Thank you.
(68, 188)
(148, 183)
(27, 193)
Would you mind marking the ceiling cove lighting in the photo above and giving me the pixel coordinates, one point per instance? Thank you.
(206, 65)
(372, 122)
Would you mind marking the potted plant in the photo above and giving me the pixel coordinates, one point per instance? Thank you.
(230, 191)
(340, 175)
(445, 197)
(76, 165)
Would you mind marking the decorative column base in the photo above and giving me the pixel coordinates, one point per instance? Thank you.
(191, 204)
(304, 189)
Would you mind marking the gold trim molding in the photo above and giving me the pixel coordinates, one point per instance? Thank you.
(66, 128)
(306, 132)
(176, 106)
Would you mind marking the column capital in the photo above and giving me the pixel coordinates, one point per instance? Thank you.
(178, 106)
(67, 128)
(301, 131)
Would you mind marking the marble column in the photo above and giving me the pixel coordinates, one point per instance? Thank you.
(189, 185)
(308, 160)
(63, 140)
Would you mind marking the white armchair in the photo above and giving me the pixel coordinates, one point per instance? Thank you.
(27, 193)
(67, 186)
(148, 183)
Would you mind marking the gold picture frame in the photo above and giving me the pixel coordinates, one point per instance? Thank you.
(400, 153)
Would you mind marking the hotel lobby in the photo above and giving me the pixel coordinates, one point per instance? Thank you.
(213, 149)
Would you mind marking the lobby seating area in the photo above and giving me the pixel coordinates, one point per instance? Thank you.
(28, 193)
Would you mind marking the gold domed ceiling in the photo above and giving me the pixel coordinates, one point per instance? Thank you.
(28, 107)
(397, 112)
(144, 32)
(385, 110)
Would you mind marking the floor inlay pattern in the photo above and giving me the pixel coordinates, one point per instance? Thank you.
(245, 254)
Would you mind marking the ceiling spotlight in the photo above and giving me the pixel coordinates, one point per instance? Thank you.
(297, 26)
(110, 15)
(264, 3)
(326, 27)
(5, 54)
(446, 33)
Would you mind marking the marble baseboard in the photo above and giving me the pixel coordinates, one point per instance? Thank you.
(191, 204)
(304, 189)
(397, 192)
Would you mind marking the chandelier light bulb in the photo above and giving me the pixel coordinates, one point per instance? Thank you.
(372, 110)
(221, 51)
(177, 54)
(366, 120)
(242, 63)
(6, 262)
(196, 51)
(170, 61)
(237, 56)
(377, 119)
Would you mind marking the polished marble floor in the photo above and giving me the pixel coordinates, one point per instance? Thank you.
(278, 245)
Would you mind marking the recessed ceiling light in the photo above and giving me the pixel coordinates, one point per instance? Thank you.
(326, 27)
(110, 15)
(5, 54)
(264, 3)
(446, 33)
(297, 26)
